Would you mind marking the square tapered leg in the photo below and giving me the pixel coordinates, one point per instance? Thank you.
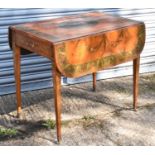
(94, 81)
(136, 63)
(17, 56)
(57, 100)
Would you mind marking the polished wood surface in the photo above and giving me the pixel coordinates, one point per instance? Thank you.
(79, 45)
(75, 26)
(83, 44)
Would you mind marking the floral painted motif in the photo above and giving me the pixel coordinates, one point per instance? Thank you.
(76, 70)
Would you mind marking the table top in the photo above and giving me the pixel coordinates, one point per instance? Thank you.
(75, 26)
(84, 43)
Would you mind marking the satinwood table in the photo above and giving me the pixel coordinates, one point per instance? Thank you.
(79, 45)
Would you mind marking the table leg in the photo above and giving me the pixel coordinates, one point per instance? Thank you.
(136, 63)
(57, 98)
(94, 81)
(16, 53)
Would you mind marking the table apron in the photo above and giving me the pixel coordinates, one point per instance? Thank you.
(34, 44)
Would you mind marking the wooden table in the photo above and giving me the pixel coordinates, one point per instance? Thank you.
(79, 45)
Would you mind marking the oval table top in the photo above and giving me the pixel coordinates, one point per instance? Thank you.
(85, 43)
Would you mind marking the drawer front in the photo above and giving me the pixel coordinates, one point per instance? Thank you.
(34, 44)
(79, 57)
